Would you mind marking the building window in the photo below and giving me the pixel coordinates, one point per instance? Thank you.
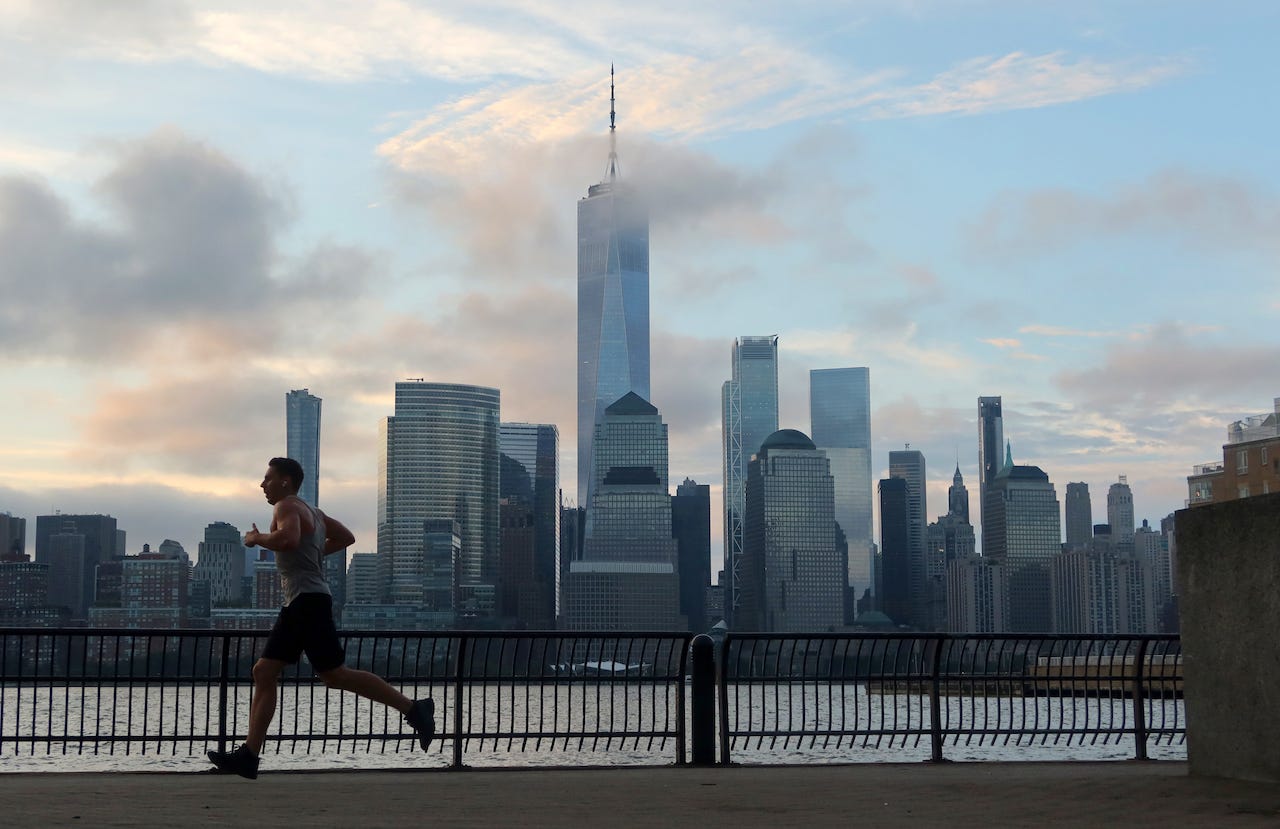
(1242, 461)
(1244, 492)
(1264, 456)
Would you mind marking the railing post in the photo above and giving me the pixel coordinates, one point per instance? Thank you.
(935, 703)
(722, 670)
(457, 702)
(703, 691)
(223, 682)
(1140, 703)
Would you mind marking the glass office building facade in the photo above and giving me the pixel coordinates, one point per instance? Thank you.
(439, 461)
(990, 449)
(302, 440)
(613, 309)
(840, 421)
(1023, 523)
(749, 415)
(531, 472)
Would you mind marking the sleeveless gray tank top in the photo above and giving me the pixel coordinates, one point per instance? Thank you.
(302, 569)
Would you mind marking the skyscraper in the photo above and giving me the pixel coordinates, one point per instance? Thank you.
(1120, 516)
(613, 302)
(749, 414)
(439, 461)
(793, 573)
(1025, 529)
(627, 577)
(73, 546)
(221, 562)
(530, 470)
(302, 440)
(840, 420)
(894, 590)
(1079, 516)
(990, 447)
(908, 464)
(948, 539)
(691, 526)
(13, 534)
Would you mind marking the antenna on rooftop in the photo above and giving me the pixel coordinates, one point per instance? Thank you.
(613, 135)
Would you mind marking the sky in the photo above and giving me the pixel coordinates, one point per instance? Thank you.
(1073, 205)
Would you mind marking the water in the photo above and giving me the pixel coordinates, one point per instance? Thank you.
(190, 712)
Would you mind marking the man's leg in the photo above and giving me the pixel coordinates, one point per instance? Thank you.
(368, 685)
(266, 676)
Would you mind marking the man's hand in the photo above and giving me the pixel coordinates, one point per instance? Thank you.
(251, 537)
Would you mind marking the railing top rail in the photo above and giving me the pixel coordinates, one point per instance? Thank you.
(408, 634)
(1019, 637)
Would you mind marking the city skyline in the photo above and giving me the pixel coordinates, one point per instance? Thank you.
(1030, 210)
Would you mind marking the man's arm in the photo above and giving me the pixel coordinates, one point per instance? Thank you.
(336, 535)
(286, 530)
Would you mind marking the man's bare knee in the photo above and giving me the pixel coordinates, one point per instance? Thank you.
(335, 677)
(267, 671)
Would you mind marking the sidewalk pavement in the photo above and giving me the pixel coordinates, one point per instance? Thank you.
(1128, 793)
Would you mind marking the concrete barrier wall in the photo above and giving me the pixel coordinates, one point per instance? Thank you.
(1229, 585)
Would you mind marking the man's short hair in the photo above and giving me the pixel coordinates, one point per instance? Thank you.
(290, 469)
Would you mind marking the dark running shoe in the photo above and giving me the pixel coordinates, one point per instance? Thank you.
(422, 717)
(242, 761)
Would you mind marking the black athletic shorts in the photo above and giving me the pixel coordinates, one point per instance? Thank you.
(306, 624)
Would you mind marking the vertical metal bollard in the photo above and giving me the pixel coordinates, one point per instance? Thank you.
(1140, 703)
(222, 693)
(463, 664)
(935, 703)
(703, 708)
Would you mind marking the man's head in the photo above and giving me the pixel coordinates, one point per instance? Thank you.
(284, 476)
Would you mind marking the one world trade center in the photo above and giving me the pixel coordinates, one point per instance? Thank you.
(613, 302)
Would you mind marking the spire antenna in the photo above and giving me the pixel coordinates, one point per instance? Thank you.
(613, 136)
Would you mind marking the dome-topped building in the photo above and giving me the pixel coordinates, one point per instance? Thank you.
(788, 439)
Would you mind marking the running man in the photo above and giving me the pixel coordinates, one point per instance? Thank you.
(301, 536)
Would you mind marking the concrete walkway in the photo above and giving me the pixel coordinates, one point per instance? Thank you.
(876, 795)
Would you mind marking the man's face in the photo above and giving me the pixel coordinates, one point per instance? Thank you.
(275, 486)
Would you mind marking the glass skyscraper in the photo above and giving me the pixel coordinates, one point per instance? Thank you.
(530, 471)
(1023, 523)
(840, 421)
(439, 461)
(793, 574)
(749, 415)
(1079, 516)
(990, 446)
(302, 440)
(908, 464)
(613, 304)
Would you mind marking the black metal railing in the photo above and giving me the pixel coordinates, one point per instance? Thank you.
(567, 698)
(786, 693)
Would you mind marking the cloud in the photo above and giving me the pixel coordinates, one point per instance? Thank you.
(1020, 81)
(1173, 369)
(1063, 331)
(1181, 207)
(186, 257)
(999, 342)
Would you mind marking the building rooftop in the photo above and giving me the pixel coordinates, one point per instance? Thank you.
(787, 439)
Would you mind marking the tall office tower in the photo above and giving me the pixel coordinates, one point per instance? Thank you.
(220, 561)
(1025, 530)
(1168, 612)
(840, 420)
(908, 464)
(73, 546)
(302, 440)
(1120, 516)
(794, 573)
(749, 414)
(958, 497)
(948, 539)
(976, 595)
(990, 446)
(530, 471)
(573, 522)
(439, 461)
(24, 591)
(441, 550)
(613, 302)
(691, 526)
(1097, 592)
(627, 577)
(524, 595)
(362, 579)
(1079, 516)
(13, 534)
(894, 574)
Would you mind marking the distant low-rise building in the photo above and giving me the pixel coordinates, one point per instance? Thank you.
(1250, 462)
